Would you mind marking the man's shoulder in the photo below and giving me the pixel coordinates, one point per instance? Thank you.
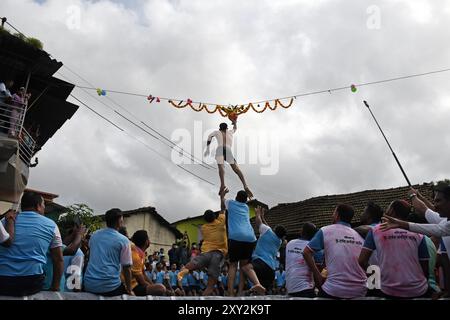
(38, 218)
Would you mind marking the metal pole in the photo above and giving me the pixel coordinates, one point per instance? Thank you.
(389, 145)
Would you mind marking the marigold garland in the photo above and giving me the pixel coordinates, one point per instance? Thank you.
(227, 111)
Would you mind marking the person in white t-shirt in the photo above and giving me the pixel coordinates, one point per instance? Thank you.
(299, 277)
(439, 224)
(5, 98)
(342, 246)
(7, 228)
(224, 154)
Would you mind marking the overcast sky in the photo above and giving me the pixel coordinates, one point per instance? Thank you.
(241, 51)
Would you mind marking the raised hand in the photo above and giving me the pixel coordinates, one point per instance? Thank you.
(390, 223)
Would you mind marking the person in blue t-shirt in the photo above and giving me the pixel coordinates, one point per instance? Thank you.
(280, 281)
(72, 237)
(173, 277)
(203, 279)
(22, 264)
(241, 240)
(158, 276)
(194, 282)
(222, 281)
(265, 256)
(109, 252)
(184, 284)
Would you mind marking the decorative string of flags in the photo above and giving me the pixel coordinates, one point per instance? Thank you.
(233, 111)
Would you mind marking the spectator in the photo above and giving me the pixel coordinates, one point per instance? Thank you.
(159, 275)
(184, 284)
(74, 263)
(280, 281)
(214, 249)
(264, 259)
(203, 279)
(440, 225)
(223, 281)
(140, 283)
(173, 281)
(7, 230)
(109, 250)
(5, 98)
(18, 107)
(5, 93)
(194, 282)
(403, 257)
(173, 255)
(195, 251)
(370, 218)
(183, 253)
(161, 256)
(241, 239)
(149, 271)
(299, 277)
(22, 264)
(123, 231)
(342, 246)
(444, 263)
(70, 246)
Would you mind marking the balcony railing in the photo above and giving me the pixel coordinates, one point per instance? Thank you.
(11, 125)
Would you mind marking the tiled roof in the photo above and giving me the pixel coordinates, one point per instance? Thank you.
(152, 211)
(319, 210)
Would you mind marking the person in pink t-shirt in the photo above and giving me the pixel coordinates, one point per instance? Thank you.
(342, 246)
(402, 257)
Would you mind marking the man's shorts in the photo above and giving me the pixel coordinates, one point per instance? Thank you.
(224, 155)
(239, 250)
(140, 290)
(264, 273)
(21, 286)
(212, 260)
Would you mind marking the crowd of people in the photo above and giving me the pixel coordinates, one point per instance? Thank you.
(386, 256)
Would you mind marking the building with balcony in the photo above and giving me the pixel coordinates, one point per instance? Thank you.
(26, 126)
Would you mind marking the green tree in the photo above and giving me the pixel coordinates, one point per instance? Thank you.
(79, 214)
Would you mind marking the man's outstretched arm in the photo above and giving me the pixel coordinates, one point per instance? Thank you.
(438, 230)
(223, 206)
(208, 142)
(258, 218)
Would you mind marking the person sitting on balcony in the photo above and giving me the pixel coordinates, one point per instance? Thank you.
(19, 100)
(5, 98)
(22, 264)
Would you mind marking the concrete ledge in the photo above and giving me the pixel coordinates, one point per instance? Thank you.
(46, 295)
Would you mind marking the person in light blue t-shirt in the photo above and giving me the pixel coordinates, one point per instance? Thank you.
(241, 240)
(22, 264)
(265, 256)
(280, 281)
(173, 281)
(72, 236)
(109, 252)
